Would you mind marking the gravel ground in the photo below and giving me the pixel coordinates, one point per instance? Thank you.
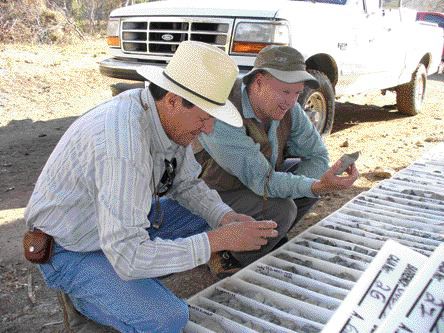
(42, 91)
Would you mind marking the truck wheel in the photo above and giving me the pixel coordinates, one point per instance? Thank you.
(409, 96)
(319, 104)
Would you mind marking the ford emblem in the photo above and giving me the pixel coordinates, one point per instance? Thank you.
(167, 37)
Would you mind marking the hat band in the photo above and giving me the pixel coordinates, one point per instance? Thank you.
(191, 91)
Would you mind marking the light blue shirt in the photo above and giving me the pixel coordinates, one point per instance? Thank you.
(240, 156)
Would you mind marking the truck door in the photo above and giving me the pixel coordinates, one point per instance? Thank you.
(355, 52)
(373, 56)
(387, 48)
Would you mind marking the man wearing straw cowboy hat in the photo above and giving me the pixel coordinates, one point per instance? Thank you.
(98, 196)
(247, 165)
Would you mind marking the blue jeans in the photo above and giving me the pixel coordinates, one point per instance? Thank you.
(143, 305)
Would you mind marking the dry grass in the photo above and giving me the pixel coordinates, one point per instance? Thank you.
(32, 21)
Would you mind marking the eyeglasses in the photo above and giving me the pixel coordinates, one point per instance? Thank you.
(164, 186)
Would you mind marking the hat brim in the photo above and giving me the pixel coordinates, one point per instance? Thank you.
(226, 113)
(288, 76)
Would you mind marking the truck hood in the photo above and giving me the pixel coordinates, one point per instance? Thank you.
(226, 8)
(304, 11)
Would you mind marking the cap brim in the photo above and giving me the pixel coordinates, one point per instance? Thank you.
(288, 76)
(226, 113)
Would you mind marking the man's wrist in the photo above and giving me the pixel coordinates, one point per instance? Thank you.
(215, 241)
(226, 218)
(316, 187)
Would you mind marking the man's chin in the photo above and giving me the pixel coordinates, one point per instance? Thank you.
(279, 116)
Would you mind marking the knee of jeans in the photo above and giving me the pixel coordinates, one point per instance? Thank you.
(283, 212)
(175, 317)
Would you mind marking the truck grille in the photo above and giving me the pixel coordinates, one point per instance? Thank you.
(157, 36)
(298, 287)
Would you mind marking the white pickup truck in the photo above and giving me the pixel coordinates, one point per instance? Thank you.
(350, 46)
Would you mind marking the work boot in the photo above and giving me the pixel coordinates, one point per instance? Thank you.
(75, 322)
(223, 264)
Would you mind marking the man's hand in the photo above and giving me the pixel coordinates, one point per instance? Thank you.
(242, 236)
(234, 217)
(330, 182)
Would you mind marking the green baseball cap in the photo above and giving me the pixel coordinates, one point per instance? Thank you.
(284, 63)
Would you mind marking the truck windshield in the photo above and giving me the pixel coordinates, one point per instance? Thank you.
(334, 2)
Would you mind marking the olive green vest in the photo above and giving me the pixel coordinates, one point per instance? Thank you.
(220, 180)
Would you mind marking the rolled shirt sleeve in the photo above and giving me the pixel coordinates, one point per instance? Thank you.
(306, 142)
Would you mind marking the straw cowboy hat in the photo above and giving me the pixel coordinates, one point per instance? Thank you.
(202, 74)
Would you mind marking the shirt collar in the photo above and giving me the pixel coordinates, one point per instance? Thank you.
(247, 109)
(161, 142)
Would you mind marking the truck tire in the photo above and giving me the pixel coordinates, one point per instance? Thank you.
(319, 104)
(409, 96)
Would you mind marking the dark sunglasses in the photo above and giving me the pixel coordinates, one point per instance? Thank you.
(165, 184)
(168, 177)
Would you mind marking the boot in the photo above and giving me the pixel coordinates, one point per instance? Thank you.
(223, 264)
(75, 322)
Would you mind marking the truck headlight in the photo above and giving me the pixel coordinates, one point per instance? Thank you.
(251, 37)
(112, 33)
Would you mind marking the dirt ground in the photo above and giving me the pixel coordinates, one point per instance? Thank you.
(42, 91)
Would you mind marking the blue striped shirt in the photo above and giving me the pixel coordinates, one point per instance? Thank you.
(96, 189)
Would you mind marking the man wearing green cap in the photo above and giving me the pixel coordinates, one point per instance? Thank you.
(247, 165)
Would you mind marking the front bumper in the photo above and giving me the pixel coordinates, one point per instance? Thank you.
(126, 68)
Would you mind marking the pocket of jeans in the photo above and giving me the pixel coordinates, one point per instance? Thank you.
(50, 274)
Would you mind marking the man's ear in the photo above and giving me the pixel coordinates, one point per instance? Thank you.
(172, 99)
(259, 80)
